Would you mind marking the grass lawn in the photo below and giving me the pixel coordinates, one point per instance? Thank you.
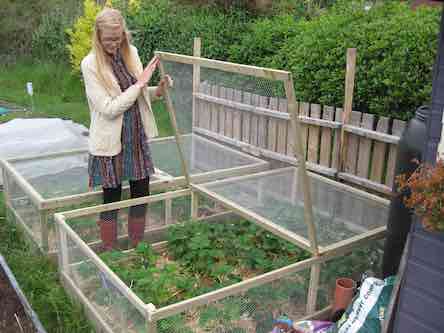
(57, 94)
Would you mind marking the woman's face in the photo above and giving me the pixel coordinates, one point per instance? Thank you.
(111, 38)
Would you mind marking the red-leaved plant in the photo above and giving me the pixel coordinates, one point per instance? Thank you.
(426, 197)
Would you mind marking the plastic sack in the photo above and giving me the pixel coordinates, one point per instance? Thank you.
(367, 311)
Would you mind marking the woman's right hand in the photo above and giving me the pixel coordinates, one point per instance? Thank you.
(147, 73)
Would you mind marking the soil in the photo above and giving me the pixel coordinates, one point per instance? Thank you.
(13, 317)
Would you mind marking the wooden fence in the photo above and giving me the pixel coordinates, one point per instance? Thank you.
(260, 125)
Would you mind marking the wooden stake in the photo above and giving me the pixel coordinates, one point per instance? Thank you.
(348, 102)
(302, 171)
(194, 205)
(313, 289)
(173, 120)
(196, 103)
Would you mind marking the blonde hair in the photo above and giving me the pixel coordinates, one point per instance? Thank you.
(111, 18)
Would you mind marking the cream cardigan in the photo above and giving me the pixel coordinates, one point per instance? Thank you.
(107, 107)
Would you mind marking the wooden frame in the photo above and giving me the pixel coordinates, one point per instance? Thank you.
(267, 73)
(321, 254)
(46, 207)
(280, 231)
(276, 75)
(153, 314)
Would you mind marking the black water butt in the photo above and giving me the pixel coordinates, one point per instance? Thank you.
(400, 218)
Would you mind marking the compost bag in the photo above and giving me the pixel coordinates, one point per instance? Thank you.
(367, 311)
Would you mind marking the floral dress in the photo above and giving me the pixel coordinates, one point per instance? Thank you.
(134, 162)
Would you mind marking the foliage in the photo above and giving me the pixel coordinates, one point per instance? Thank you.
(215, 249)
(394, 64)
(426, 194)
(203, 257)
(165, 25)
(21, 18)
(38, 278)
(262, 39)
(81, 34)
(206, 256)
(50, 38)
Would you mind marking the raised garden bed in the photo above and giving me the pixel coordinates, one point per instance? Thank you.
(16, 315)
(198, 258)
(220, 274)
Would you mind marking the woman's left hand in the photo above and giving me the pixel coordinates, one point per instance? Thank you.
(165, 82)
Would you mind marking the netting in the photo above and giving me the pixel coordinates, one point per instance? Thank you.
(23, 210)
(59, 176)
(102, 293)
(250, 311)
(363, 261)
(213, 100)
(158, 215)
(338, 214)
(201, 155)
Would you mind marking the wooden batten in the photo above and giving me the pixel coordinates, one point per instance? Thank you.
(302, 171)
(267, 73)
(177, 135)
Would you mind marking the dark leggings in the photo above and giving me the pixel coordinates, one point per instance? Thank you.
(138, 188)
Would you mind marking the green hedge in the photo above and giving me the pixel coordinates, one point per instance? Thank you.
(163, 25)
(263, 38)
(396, 50)
(396, 47)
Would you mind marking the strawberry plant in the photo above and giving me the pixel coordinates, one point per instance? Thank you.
(202, 257)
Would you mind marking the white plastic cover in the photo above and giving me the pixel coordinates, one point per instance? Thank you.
(35, 136)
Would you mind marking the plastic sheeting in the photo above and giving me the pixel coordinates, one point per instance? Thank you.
(35, 136)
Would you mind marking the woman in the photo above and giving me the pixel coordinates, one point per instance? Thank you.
(121, 121)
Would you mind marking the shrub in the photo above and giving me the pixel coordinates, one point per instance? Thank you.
(396, 50)
(263, 38)
(81, 34)
(426, 194)
(164, 25)
(50, 38)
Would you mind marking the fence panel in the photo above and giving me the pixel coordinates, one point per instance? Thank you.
(261, 125)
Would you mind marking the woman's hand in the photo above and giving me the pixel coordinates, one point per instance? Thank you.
(165, 82)
(147, 73)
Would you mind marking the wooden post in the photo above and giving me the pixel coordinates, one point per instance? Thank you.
(196, 103)
(151, 324)
(6, 194)
(194, 205)
(63, 250)
(152, 327)
(348, 102)
(44, 230)
(300, 156)
(168, 210)
(313, 288)
(172, 114)
(196, 79)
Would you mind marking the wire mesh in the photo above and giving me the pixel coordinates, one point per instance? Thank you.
(181, 93)
(358, 264)
(45, 174)
(250, 311)
(24, 208)
(102, 293)
(338, 214)
(158, 215)
(201, 155)
(211, 106)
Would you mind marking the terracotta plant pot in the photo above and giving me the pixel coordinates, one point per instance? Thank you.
(344, 292)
